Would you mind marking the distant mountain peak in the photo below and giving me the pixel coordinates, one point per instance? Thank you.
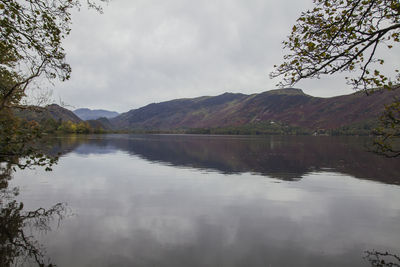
(89, 114)
(290, 106)
(286, 91)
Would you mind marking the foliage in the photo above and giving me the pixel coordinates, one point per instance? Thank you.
(361, 128)
(382, 259)
(52, 126)
(268, 128)
(265, 128)
(30, 47)
(344, 36)
(78, 128)
(387, 141)
(31, 41)
(17, 143)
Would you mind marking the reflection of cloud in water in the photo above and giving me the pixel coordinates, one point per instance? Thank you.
(87, 149)
(135, 212)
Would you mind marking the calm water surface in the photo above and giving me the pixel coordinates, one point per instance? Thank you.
(170, 200)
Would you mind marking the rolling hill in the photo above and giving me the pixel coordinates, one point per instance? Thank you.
(288, 106)
(284, 109)
(52, 111)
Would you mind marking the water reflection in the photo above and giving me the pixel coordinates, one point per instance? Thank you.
(287, 158)
(168, 201)
(18, 246)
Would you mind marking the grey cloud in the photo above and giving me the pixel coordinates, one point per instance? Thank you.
(139, 52)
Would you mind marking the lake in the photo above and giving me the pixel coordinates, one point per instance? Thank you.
(188, 200)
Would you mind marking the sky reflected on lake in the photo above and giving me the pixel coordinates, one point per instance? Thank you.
(204, 201)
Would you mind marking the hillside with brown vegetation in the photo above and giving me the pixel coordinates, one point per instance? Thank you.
(288, 106)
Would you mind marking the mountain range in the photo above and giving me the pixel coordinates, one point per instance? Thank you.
(287, 108)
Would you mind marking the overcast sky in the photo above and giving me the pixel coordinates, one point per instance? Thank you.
(145, 51)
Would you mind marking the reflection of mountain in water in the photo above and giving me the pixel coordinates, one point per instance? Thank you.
(288, 158)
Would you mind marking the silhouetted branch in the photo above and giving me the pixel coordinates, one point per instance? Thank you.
(382, 259)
